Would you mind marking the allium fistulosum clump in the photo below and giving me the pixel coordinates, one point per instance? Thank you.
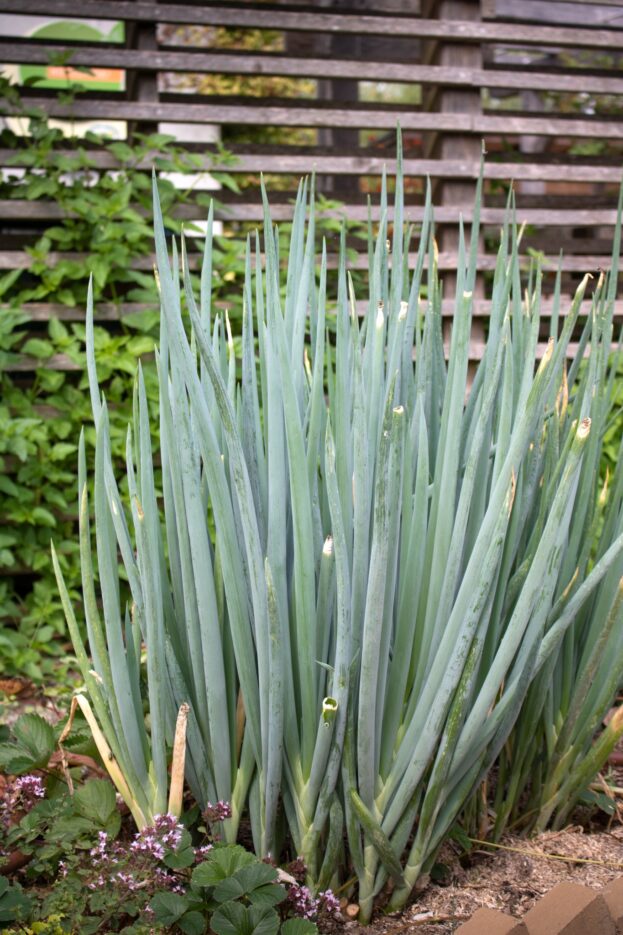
(352, 575)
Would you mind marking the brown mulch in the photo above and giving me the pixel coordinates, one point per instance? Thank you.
(509, 880)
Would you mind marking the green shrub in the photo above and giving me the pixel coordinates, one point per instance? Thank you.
(103, 215)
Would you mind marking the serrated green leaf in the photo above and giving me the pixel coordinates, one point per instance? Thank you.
(96, 799)
(244, 881)
(37, 347)
(222, 862)
(16, 764)
(192, 923)
(270, 895)
(36, 736)
(15, 905)
(299, 927)
(140, 344)
(236, 919)
(168, 907)
(62, 450)
(180, 859)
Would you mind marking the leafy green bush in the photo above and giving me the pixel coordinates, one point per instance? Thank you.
(102, 216)
(353, 576)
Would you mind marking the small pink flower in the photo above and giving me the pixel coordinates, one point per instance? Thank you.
(218, 812)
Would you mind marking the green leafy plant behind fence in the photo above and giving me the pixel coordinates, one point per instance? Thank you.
(101, 191)
(352, 574)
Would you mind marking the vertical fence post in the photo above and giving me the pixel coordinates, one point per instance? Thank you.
(457, 193)
(142, 86)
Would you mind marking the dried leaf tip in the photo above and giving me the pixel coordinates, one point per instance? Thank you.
(510, 496)
(547, 356)
(176, 793)
(139, 509)
(583, 429)
(565, 593)
(562, 398)
(616, 721)
(230, 337)
(603, 496)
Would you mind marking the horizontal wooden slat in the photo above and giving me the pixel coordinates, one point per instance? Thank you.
(24, 364)
(355, 117)
(283, 162)
(63, 363)
(252, 211)
(248, 63)
(103, 311)
(255, 15)
(477, 349)
(589, 3)
(107, 312)
(18, 259)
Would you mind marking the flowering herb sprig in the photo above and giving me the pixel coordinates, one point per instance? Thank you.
(156, 879)
(20, 795)
(300, 901)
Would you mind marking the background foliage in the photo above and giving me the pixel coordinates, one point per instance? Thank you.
(103, 230)
(104, 215)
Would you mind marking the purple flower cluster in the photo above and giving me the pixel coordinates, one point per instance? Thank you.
(218, 812)
(304, 904)
(328, 902)
(21, 795)
(136, 868)
(99, 853)
(29, 788)
(202, 852)
(165, 834)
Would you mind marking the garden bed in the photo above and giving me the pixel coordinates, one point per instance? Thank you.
(508, 880)
(511, 877)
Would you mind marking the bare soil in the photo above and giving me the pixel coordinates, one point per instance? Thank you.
(510, 878)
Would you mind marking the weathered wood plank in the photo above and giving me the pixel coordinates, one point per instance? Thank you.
(285, 163)
(314, 116)
(301, 20)
(107, 312)
(103, 311)
(477, 349)
(24, 364)
(586, 263)
(247, 63)
(252, 211)
(63, 363)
